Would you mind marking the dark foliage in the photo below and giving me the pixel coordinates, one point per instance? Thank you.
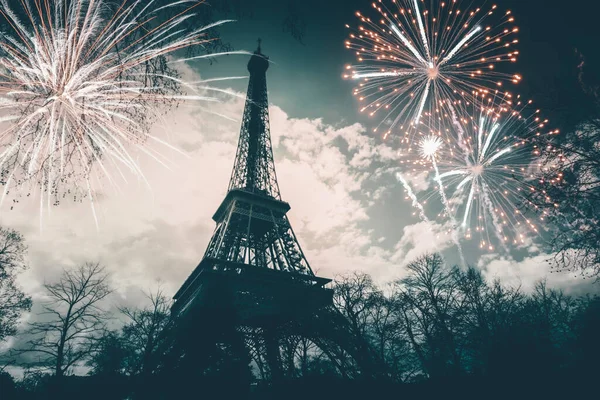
(441, 331)
(568, 195)
(13, 302)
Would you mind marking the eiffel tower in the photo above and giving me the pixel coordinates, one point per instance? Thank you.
(254, 272)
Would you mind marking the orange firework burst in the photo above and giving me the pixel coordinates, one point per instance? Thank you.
(413, 59)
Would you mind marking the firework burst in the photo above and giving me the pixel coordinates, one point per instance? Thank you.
(80, 83)
(414, 59)
(486, 175)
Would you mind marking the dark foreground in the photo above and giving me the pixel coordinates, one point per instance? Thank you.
(554, 387)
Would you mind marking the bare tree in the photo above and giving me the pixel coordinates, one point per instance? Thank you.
(386, 330)
(373, 317)
(12, 300)
(354, 296)
(569, 198)
(72, 321)
(568, 191)
(556, 310)
(307, 353)
(430, 303)
(142, 333)
(487, 310)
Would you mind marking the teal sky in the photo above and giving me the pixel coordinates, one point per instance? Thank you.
(305, 79)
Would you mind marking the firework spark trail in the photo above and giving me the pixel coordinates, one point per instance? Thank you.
(407, 43)
(476, 30)
(416, 204)
(487, 143)
(423, 101)
(460, 132)
(498, 155)
(481, 157)
(429, 149)
(479, 183)
(413, 197)
(495, 220)
(379, 74)
(449, 212)
(422, 32)
(81, 83)
(469, 200)
(413, 61)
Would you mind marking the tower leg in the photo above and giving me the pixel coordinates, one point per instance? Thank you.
(273, 354)
(329, 330)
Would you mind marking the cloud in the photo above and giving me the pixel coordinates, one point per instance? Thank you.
(527, 272)
(422, 238)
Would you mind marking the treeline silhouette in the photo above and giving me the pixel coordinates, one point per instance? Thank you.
(438, 331)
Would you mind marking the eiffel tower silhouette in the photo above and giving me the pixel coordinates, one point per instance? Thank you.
(254, 273)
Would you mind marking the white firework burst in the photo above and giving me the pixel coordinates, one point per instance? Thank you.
(80, 83)
(489, 171)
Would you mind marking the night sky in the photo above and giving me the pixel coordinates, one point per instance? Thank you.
(550, 33)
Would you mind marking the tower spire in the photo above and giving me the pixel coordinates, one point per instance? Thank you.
(254, 169)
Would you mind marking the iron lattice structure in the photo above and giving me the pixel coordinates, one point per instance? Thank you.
(254, 168)
(254, 277)
(253, 239)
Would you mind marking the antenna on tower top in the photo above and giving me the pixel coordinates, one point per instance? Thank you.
(259, 43)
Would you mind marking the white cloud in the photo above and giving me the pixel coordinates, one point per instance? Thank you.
(422, 238)
(529, 271)
(419, 181)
